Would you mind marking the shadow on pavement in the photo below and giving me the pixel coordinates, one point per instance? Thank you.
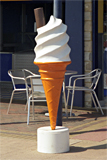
(31, 122)
(96, 130)
(74, 149)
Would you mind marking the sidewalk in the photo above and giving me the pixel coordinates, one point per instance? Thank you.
(18, 141)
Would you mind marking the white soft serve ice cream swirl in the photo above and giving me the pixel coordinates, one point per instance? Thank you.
(52, 42)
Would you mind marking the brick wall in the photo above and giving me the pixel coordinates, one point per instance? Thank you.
(87, 47)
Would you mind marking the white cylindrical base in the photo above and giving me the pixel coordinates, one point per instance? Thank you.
(53, 141)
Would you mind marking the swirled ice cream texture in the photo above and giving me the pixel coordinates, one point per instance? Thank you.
(52, 42)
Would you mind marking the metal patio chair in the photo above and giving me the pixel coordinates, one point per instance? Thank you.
(19, 82)
(37, 93)
(68, 72)
(94, 77)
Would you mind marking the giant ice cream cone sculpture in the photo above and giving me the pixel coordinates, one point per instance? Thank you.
(52, 75)
(52, 58)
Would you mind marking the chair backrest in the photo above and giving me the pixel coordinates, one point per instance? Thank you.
(15, 76)
(95, 75)
(37, 86)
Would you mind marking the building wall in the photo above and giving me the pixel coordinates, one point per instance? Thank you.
(87, 47)
(75, 23)
(74, 19)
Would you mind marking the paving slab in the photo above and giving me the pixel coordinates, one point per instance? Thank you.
(18, 141)
(25, 149)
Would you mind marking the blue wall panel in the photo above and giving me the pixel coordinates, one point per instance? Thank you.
(6, 64)
(74, 19)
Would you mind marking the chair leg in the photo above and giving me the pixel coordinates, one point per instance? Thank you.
(10, 101)
(72, 100)
(94, 102)
(33, 110)
(67, 103)
(28, 111)
(98, 103)
(27, 100)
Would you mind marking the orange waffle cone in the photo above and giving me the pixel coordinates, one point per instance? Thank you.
(52, 75)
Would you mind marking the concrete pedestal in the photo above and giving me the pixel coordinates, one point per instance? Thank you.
(53, 141)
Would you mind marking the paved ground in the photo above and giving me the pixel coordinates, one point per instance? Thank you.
(18, 141)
